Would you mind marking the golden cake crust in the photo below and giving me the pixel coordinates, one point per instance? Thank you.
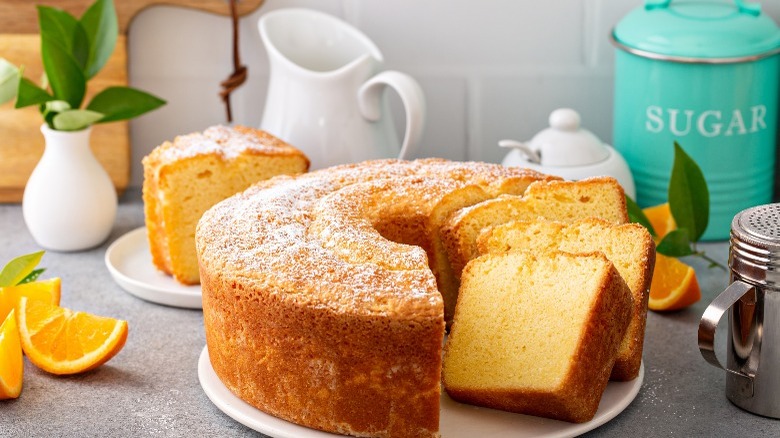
(552, 200)
(313, 315)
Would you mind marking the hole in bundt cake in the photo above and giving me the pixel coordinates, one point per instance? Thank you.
(402, 230)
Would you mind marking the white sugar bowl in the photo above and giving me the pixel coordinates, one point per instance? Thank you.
(566, 150)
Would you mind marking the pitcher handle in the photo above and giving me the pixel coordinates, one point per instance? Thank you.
(370, 99)
(711, 317)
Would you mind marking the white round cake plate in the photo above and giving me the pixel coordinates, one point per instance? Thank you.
(457, 420)
(130, 263)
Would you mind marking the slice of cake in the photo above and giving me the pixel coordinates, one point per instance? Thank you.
(536, 334)
(628, 246)
(565, 201)
(184, 178)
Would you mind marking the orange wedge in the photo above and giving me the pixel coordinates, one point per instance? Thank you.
(11, 365)
(47, 290)
(660, 217)
(674, 285)
(61, 341)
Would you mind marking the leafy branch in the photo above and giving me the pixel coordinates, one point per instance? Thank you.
(73, 51)
(689, 202)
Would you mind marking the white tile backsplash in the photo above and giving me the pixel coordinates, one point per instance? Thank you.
(468, 33)
(608, 13)
(446, 126)
(490, 69)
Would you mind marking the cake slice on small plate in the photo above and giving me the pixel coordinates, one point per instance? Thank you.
(186, 177)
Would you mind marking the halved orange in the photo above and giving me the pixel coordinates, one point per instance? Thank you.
(674, 285)
(61, 341)
(47, 290)
(11, 365)
(660, 217)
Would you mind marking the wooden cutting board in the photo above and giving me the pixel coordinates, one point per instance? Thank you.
(21, 142)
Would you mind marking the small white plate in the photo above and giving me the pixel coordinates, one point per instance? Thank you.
(457, 420)
(130, 263)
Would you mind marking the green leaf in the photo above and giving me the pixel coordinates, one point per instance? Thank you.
(101, 26)
(689, 199)
(120, 103)
(65, 76)
(56, 106)
(635, 214)
(31, 94)
(19, 268)
(75, 120)
(66, 30)
(32, 276)
(44, 81)
(51, 109)
(676, 243)
(9, 80)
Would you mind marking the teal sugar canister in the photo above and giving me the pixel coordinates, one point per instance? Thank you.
(704, 74)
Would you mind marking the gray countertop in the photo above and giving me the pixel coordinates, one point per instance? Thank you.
(151, 387)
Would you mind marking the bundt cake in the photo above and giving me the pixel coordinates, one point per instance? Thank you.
(536, 333)
(320, 298)
(184, 178)
(628, 246)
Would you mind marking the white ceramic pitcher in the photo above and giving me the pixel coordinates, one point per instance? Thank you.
(326, 90)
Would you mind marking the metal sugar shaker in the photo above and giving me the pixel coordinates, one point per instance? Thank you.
(753, 304)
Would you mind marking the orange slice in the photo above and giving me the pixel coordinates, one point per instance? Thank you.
(47, 290)
(11, 366)
(660, 217)
(61, 341)
(674, 285)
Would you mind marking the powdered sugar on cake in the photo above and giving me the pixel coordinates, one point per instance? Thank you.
(315, 232)
(224, 141)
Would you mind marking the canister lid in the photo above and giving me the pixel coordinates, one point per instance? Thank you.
(699, 29)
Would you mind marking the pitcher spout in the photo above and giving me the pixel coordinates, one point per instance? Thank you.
(315, 43)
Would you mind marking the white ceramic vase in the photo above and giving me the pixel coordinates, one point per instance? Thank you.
(69, 201)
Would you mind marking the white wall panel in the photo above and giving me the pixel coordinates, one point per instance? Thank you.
(474, 33)
(490, 69)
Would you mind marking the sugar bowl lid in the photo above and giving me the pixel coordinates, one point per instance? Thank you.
(564, 143)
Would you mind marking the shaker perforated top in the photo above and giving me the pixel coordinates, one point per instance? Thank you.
(760, 226)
